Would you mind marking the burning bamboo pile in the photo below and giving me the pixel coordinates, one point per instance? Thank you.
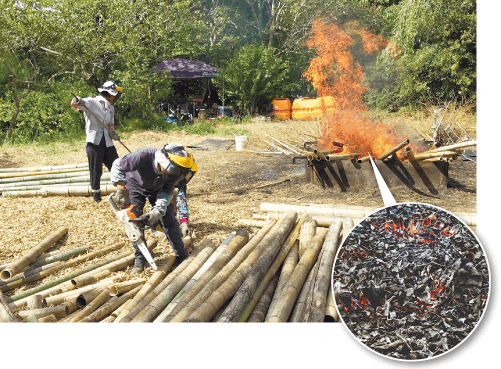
(411, 281)
(255, 277)
(62, 180)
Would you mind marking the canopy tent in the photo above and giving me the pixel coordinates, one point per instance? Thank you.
(186, 69)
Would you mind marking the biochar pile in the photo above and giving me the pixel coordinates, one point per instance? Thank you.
(411, 281)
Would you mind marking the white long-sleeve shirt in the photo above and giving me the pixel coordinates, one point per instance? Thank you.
(103, 110)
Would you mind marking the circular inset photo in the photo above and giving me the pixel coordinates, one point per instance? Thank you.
(411, 281)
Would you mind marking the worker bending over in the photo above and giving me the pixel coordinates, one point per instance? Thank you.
(152, 174)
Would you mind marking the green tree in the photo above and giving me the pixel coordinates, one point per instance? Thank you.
(253, 77)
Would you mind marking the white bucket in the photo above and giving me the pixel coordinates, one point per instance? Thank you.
(240, 142)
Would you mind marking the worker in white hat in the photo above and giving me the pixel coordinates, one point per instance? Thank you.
(99, 115)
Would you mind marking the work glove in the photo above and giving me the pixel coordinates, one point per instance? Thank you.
(154, 216)
(114, 136)
(77, 101)
(185, 230)
(121, 198)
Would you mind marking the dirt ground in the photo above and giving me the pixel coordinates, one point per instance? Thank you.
(220, 194)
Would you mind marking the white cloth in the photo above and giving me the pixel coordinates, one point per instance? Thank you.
(105, 112)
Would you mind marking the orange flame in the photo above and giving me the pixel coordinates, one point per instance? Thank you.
(334, 72)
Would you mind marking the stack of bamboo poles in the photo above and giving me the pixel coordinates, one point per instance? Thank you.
(86, 294)
(280, 273)
(324, 214)
(68, 180)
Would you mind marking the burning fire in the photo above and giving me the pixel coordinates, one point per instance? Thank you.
(334, 72)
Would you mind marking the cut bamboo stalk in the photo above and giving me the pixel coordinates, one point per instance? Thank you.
(89, 279)
(288, 147)
(437, 154)
(32, 254)
(308, 230)
(118, 311)
(248, 254)
(347, 226)
(6, 312)
(394, 150)
(110, 306)
(26, 174)
(43, 256)
(34, 302)
(410, 154)
(316, 313)
(461, 145)
(251, 223)
(41, 187)
(322, 221)
(46, 168)
(199, 281)
(60, 191)
(58, 311)
(63, 256)
(55, 267)
(334, 157)
(146, 295)
(47, 319)
(304, 299)
(42, 177)
(67, 318)
(72, 295)
(83, 299)
(156, 306)
(109, 319)
(102, 298)
(120, 288)
(32, 319)
(288, 296)
(277, 262)
(330, 307)
(259, 312)
(288, 266)
(21, 278)
(71, 306)
(364, 159)
(258, 269)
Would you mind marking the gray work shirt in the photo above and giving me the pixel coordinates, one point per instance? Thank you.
(105, 112)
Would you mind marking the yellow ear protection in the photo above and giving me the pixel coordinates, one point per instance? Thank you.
(179, 167)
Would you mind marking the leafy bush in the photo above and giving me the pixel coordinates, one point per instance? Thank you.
(253, 77)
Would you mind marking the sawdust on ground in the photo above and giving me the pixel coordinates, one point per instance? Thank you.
(215, 207)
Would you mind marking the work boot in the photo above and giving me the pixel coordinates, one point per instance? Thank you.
(139, 265)
(96, 195)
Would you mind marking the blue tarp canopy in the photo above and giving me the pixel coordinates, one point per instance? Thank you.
(186, 69)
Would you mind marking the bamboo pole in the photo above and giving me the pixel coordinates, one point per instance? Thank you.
(48, 319)
(150, 292)
(304, 299)
(288, 147)
(323, 280)
(288, 296)
(288, 266)
(6, 312)
(89, 279)
(410, 154)
(43, 256)
(58, 311)
(251, 223)
(120, 288)
(394, 150)
(321, 220)
(29, 179)
(55, 185)
(34, 302)
(32, 319)
(246, 255)
(72, 295)
(461, 145)
(44, 169)
(308, 230)
(108, 307)
(83, 299)
(189, 291)
(156, 306)
(437, 154)
(26, 174)
(35, 181)
(102, 298)
(61, 191)
(63, 256)
(364, 159)
(277, 262)
(34, 276)
(348, 156)
(246, 290)
(259, 312)
(32, 254)
(330, 307)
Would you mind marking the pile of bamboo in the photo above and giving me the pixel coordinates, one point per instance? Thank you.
(325, 214)
(67, 180)
(281, 273)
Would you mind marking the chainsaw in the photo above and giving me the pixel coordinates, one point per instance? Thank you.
(134, 227)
